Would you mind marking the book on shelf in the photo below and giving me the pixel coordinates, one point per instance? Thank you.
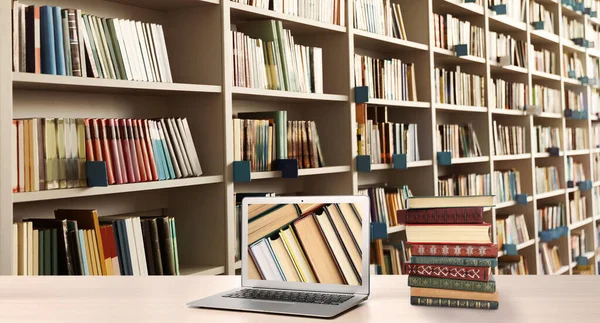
(509, 140)
(458, 88)
(572, 66)
(454, 215)
(381, 139)
(547, 137)
(539, 13)
(513, 265)
(548, 99)
(460, 140)
(265, 56)
(386, 202)
(453, 284)
(506, 95)
(515, 9)
(450, 31)
(57, 41)
(506, 50)
(394, 257)
(488, 250)
(441, 233)
(575, 172)
(576, 138)
(52, 152)
(547, 179)
(508, 184)
(389, 79)
(469, 273)
(426, 202)
(379, 17)
(328, 11)
(574, 101)
(572, 29)
(551, 216)
(550, 257)
(577, 244)
(543, 60)
(78, 242)
(464, 185)
(511, 229)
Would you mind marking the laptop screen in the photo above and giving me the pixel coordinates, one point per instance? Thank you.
(312, 243)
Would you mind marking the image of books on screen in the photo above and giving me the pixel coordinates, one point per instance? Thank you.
(312, 243)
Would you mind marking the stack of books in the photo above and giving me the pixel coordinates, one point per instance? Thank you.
(452, 252)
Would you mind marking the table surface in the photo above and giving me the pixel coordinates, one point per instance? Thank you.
(525, 299)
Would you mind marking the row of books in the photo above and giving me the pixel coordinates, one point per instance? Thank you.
(518, 267)
(550, 258)
(576, 138)
(382, 140)
(391, 259)
(511, 229)
(509, 140)
(50, 153)
(515, 9)
(263, 141)
(389, 79)
(577, 207)
(571, 28)
(265, 56)
(77, 242)
(547, 179)
(450, 31)
(572, 66)
(385, 202)
(508, 184)
(506, 50)
(327, 11)
(548, 99)
(546, 137)
(596, 167)
(379, 17)
(459, 88)
(56, 41)
(463, 185)
(460, 140)
(508, 95)
(305, 243)
(577, 244)
(551, 217)
(574, 101)
(543, 60)
(593, 35)
(538, 12)
(595, 101)
(575, 171)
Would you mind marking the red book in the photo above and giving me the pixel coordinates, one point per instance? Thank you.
(140, 133)
(141, 163)
(95, 133)
(481, 274)
(454, 250)
(106, 143)
(89, 149)
(148, 140)
(114, 150)
(119, 146)
(126, 147)
(456, 215)
(133, 151)
(105, 243)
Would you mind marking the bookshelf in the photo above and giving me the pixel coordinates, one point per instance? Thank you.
(203, 92)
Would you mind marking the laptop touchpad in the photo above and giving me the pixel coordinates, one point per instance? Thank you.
(266, 306)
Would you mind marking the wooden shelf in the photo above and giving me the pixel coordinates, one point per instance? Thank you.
(449, 56)
(203, 270)
(511, 157)
(396, 103)
(549, 194)
(577, 152)
(380, 43)
(520, 246)
(593, 52)
(509, 112)
(30, 81)
(543, 76)
(166, 5)
(579, 224)
(470, 160)
(569, 46)
(242, 93)
(238, 264)
(505, 23)
(497, 68)
(458, 7)
(569, 12)
(413, 164)
(549, 115)
(302, 172)
(113, 189)
(542, 36)
(395, 229)
(464, 108)
(589, 254)
(562, 270)
(243, 12)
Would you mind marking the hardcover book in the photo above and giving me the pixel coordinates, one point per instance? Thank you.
(454, 284)
(454, 261)
(459, 215)
(454, 250)
(451, 272)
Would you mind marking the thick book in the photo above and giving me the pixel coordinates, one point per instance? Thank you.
(459, 215)
(454, 284)
(451, 272)
(261, 222)
(454, 261)
(453, 294)
(48, 52)
(443, 233)
(61, 68)
(449, 302)
(33, 42)
(280, 119)
(454, 250)
(428, 202)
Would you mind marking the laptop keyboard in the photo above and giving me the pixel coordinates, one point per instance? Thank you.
(287, 296)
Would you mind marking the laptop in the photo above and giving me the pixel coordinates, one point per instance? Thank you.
(306, 256)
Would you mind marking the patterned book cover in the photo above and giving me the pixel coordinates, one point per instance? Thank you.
(454, 284)
(449, 302)
(455, 261)
(458, 215)
(446, 271)
(454, 250)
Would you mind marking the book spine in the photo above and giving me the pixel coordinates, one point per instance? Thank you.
(74, 42)
(113, 152)
(33, 42)
(89, 148)
(454, 284)
(454, 250)
(58, 42)
(126, 147)
(449, 302)
(455, 261)
(444, 215)
(48, 53)
(451, 272)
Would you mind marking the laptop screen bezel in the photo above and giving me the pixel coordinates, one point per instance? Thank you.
(361, 202)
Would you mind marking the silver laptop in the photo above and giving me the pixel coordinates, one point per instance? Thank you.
(304, 256)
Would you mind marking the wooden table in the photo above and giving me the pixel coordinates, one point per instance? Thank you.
(526, 299)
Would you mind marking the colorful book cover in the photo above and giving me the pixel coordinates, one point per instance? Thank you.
(449, 302)
(454, 250)
(454, 284)
(455, 261)
(459, 215)
(446, 271)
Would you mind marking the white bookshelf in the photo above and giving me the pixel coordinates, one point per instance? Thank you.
(204, 93)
